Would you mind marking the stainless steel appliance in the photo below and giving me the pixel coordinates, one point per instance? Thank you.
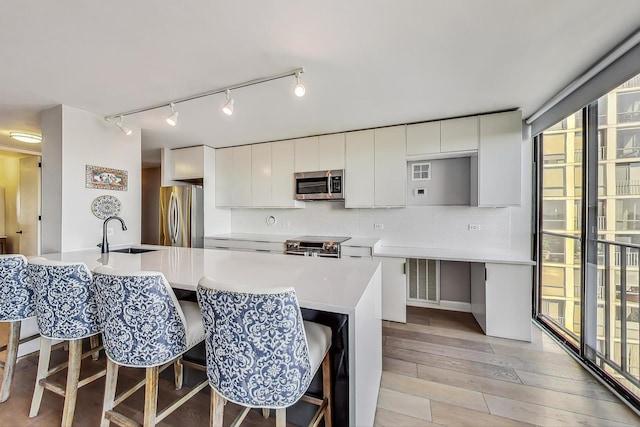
(318, 246)
(320, 185)
(182, 216)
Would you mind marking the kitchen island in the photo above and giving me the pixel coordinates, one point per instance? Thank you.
(348, 287)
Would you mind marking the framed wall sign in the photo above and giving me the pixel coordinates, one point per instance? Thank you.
(106, 178)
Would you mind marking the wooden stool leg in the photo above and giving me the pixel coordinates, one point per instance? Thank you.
(326, 389)
(281, 417)
(10, 362)
(109, 390)
(73, 376)
(178, 373)
(265, 412)
(43, 367)
(151, 397)
(217, 409)
(95, 343)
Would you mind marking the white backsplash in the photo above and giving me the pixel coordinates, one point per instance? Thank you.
(423, 226)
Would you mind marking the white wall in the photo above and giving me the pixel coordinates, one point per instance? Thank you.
(73, 139)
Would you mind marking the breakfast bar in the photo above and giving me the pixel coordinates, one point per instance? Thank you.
(350, 288)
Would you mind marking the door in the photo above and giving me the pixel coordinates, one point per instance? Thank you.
(29, 206)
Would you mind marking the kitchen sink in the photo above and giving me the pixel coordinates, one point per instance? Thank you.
(133, 250)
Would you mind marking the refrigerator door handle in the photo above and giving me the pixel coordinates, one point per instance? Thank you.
(173, 218)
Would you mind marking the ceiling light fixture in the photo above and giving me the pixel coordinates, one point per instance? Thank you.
(127, 131)
(228, 106)
(299, 88)
(26, 137)
(172, 119)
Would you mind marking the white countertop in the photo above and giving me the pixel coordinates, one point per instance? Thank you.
(451, 255)
(321, 283)
(366, 242)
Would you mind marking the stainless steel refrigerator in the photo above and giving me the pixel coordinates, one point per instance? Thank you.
(182, 216)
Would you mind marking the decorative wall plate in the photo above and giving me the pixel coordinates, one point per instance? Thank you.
(105, 206)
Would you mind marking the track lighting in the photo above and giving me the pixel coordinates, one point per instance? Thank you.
(26, 137)
(228, 107)
(172, 119)
(127, 131)
(299, 88)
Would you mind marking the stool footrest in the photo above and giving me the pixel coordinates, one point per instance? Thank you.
(175, 405)
(22, 341)
(125, 394)
(240, 417)
(121, 420)
(53, 386)
(319, 413)
(92, 378)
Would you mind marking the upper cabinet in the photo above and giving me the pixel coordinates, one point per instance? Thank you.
(188, 163)
(423, 138)
(390, 167)
(376, 168)
(319, 153)
(444, 138)
(499, 161)
(256, 176)
(459, 135)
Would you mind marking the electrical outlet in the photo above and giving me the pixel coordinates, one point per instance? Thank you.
(378, 226)
(474, 227)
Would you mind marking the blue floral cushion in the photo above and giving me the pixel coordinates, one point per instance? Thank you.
(141, 325)
(17, 301)
(257, 353)
(65, 302)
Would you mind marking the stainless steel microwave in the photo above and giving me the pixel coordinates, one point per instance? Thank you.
(320, 185)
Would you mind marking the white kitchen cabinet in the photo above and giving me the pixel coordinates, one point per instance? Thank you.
(282, 181)
(501, 299)
(394, 289)
(331, 152)
(390, 167)
(224, 177)
(241, 194)
(188, 163)
(359, 169)
(459, 134)
(499, 161)
(306, 154)
(423, 138)
(261, 175)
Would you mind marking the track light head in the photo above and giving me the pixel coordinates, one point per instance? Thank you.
(172, 119)
(228, 107)
(299, 88)
(127, 131)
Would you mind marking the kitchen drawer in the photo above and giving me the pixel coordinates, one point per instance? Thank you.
(356, 251)
(245, 245)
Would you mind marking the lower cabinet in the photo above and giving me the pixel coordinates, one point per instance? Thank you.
(501, 299)
(394, 289)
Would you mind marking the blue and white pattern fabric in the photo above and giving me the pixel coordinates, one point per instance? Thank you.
(17, 301)
(257, 354)
(142, 327)
(65, 302)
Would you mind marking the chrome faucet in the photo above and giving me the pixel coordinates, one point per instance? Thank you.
(105, 242)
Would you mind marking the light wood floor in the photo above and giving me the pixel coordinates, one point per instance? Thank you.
(438, 369)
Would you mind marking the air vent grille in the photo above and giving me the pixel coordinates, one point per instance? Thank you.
(422, 280)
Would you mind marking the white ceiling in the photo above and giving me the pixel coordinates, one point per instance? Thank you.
(368, 62)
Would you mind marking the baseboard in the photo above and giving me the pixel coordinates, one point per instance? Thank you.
(443, 305)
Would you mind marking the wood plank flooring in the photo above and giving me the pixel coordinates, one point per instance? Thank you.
(438, 370)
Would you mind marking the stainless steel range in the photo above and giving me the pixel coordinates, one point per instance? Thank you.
(318, 246)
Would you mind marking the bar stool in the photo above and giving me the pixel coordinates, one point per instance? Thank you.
(144, 326)
(16, 304)
(260, 353)
(66, 310)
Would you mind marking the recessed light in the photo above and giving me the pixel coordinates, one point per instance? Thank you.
(26, 137)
